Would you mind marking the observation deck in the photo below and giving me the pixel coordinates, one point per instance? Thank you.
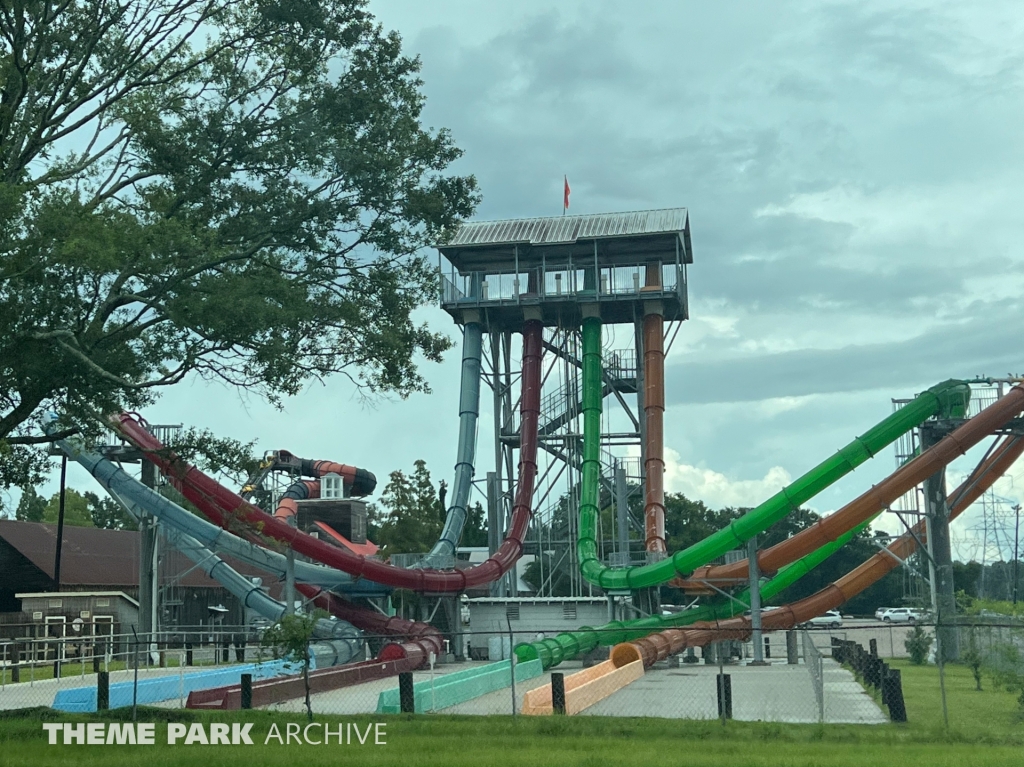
(503, 272)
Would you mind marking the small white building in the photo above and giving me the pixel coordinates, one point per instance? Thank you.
(530, 618)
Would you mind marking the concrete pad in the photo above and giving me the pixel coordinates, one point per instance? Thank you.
(775, 693)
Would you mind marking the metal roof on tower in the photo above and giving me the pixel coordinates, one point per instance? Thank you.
(638, 232)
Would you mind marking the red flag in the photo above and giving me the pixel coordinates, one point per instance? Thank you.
(565, 205)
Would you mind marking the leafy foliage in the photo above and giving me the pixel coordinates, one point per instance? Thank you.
(971, 658)
(108, 514)
(918, 643)
(408, 520)
(233, 190)
(31, 506)
(76, 509)
(290, 638)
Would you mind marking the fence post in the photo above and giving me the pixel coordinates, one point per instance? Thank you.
(246, 691)
(557, 693)
(894, 696)
(792, 652)
(724, 684)
(406, 694)
(102, 690)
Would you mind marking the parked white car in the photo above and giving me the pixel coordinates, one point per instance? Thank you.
(904, 615)
(832, 619)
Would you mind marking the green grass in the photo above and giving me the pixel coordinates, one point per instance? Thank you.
(984, 730)
(524, 742)
(991, 715)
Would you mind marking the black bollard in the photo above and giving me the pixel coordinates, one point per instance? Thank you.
(894, 696)
(246, 691)
(188, 653)
(724, 695)
(406, 694)
(102, 691)
(873, 644)
(557, 693)
(767, 647)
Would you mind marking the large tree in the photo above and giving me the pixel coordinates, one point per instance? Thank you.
(407, 520)
(237, 190)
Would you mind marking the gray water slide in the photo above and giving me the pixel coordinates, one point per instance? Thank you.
(443, 552)
(341, 642)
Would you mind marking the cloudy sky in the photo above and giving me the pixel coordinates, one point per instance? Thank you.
(853, 176)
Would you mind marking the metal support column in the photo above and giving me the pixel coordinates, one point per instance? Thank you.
(493, 527)
(941, 550)
(148, 571)
(755, 602)
(622, 515)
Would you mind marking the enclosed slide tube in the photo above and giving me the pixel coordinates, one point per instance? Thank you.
(356, 482)
(222, 506)
(175, 520)
(909, 475)
(568, 645)
(671, 641)
(949, 397)
(443, 552)
(339, 641)
(118, 482)
(654, 420)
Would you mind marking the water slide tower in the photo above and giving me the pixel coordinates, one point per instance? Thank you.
(627, 269)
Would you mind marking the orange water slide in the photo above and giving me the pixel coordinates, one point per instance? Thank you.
(654, 418)
(871, 502)
(671, 641)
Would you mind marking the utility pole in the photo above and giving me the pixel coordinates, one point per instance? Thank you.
(60, 521)
(148, 567)
(1016, 550)
(941, 550)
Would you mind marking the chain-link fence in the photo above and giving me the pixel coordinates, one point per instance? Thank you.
(830, 675)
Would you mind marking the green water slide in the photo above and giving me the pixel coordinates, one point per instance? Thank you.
(570, 644)
(949, 398)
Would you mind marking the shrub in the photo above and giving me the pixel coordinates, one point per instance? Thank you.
(918, 644)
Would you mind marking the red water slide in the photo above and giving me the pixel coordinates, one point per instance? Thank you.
(671, 641)
(225, 507)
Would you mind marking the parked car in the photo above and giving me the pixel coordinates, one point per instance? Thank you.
(832, 619)
(904, 615)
